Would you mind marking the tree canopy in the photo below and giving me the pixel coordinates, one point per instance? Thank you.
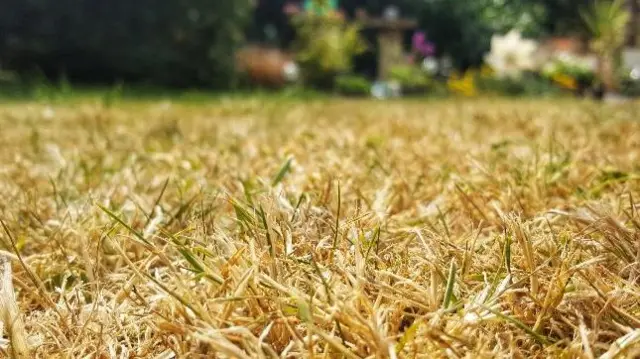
(174, 42)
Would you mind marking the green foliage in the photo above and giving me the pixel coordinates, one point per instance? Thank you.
(607, 20)
(175, 42)
(352, 85)
(326, 45)
(629, 83)
(409, 76)
(525, 16)
(463, 28)
(457, 29)
(529, 84)
(570, 68)
(562, 16)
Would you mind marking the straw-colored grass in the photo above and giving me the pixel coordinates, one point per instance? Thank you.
(328, 229)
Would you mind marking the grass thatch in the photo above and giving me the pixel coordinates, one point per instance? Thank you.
(258, 229)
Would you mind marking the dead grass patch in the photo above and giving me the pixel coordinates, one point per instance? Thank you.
(257, 229)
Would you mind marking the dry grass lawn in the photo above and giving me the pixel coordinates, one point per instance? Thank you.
(326, 229)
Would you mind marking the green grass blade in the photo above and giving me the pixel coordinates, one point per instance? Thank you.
(451, 280)
(263, 217)
(537, 337)
(507, 253)
(337, 227)
(128, 227)
(283, 172)
(197, 267)
(242, 215)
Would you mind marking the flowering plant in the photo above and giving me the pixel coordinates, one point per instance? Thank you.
(570, 72)
(464, 84)
(421, 45)
(511, 55)
(326, 45)
(425, 51)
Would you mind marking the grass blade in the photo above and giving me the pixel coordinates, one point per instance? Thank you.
(283, 172)
(265, 226)
(337, 227)
(451, 280)
(117, 219)
(537, 337)
(150, 216)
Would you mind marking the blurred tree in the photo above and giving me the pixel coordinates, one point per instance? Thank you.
(563, 16)
(173, 42)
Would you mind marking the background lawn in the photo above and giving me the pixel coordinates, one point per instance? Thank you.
(262, 227)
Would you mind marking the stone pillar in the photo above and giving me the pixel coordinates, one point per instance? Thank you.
(391, 52)
(390, 42)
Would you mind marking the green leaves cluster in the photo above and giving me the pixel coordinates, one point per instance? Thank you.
(326, 45)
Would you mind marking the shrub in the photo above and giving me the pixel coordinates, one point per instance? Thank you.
(569, 73)
(629, 80)
(325, 46)
(527, 84)
(410, 77)
(352, 85)
(175, 42)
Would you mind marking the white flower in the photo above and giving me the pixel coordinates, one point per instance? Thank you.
(430, 65)
(510, 54)
(635, 74)
(291, 71)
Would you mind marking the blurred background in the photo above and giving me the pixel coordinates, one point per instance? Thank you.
(352, 47)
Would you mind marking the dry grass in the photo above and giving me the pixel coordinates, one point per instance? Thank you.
(329, 229)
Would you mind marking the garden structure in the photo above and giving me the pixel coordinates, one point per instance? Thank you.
(390, 35)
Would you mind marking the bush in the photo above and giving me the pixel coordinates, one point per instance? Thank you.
(629, 80)
(410, 78)
(352, 85)
(325, 47)
(570, 73)
(174, 42)
(528, 84)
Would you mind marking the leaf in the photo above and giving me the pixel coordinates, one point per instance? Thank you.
(337, 225)
(507, 253)
(283, 172)
(304, 311)
(150, 215)
(133, 231)
(408, 336)
(192, 260)
(537, 337)
(268, 235)
(448, 295)
(242, 215)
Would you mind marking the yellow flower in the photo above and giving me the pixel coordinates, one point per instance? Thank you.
(464, 85)
(565, 81)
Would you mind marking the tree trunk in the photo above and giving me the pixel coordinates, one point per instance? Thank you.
(607, 72)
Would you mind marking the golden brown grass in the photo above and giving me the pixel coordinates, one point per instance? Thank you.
(257, 229)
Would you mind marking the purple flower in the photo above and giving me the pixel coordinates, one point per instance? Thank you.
(422, 45)
(418, 38)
